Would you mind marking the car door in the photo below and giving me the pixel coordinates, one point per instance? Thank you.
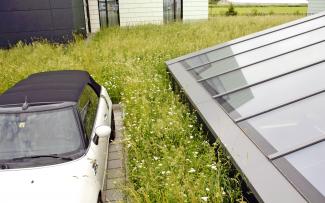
(94, 113)
(101, 150)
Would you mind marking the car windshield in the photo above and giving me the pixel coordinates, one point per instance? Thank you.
(53, 132)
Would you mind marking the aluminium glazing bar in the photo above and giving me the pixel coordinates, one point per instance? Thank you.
(242, 67)
(279, 106)
(248, 50)
(296, 148)
(266, 80)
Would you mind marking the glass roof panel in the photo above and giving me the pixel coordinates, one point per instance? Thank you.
(292, 125)
(310, 162)
(272, 86)
(265, 70)
(258, 55)
(267, 95)
(252, 43)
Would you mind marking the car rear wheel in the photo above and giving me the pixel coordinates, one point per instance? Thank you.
(99, 200)
(112, 137)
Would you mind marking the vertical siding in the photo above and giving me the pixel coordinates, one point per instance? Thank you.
(54, 20)
(94, 15)
(195, 9)
(134, 12)
(316, 6)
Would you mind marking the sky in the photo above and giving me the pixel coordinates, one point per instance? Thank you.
(270, 1)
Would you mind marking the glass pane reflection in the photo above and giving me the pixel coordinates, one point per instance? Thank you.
(310, 162)
(265, 70)
(273, 93)
(255, 42)
(293, 125)
(257, 55)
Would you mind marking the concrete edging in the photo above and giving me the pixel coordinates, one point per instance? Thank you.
(116, 164)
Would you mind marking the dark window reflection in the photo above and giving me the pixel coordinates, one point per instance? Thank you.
(226, 83)
(172, 10)
(108, 13)
(195, 61)
(87, 107)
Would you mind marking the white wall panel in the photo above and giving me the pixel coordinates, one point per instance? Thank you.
(94, 15)
(135, 12)
(195, 9)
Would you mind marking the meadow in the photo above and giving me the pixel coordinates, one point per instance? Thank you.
(255, 10)
(169, 159)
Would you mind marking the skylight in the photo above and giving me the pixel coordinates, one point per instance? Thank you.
(263, 96)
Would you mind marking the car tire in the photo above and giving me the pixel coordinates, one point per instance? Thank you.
(99, 199)
(112, 137)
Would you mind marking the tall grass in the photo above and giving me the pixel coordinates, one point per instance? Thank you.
(255, 10)
(169, 159)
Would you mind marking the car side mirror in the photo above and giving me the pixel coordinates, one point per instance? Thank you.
(102, 131)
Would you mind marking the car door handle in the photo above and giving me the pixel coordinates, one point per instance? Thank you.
(105, 117)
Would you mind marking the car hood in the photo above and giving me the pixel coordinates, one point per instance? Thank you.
(70, 182)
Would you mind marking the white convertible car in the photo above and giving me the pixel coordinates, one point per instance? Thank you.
(55, 129)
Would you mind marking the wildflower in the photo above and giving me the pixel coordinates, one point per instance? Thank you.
(207, 189)
(195, 154)
(214, 167)
(205, 198)
(192, 170)
(155, 158)
(191, 137)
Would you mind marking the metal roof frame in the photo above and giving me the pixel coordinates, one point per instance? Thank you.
(270, 176)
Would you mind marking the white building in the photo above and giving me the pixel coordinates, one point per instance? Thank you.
(315, 6)
(59, 20)
(102, 13)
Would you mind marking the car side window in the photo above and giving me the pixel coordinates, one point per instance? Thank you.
(87, 107)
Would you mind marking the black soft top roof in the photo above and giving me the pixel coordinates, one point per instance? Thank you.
(55, 86)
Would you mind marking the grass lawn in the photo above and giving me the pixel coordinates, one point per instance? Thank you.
(169, 159)
(216, 10)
